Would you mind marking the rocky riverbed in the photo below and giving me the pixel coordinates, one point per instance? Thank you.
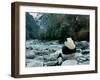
(49, 53)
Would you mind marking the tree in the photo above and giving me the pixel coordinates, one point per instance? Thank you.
(31, 27)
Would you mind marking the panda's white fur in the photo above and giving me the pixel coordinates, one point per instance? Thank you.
(69, 43)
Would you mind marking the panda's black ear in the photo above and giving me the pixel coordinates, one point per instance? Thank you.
(68, 35)
(66, 39)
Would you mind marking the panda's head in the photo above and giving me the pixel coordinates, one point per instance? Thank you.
(69, 43)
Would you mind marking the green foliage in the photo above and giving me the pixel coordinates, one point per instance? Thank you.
(31, 27)
(56, 26)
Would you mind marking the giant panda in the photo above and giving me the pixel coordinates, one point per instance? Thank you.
(69, 46)
(68, 50)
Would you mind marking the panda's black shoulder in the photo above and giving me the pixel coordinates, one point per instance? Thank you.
(65, 49)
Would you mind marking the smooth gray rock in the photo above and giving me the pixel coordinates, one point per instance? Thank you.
(68, 56)
(30, 54)
(50, 63)
(35, 63)
(55, 55)
(77, 54)
(69, 62)
(60, 60)
(82, 59)
(86, 51)
(41, 53)
(84, 63)
(28, 60)
(82, 45)
(41, 58)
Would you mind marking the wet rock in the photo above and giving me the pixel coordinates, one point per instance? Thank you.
(39, 58)
(84, 63)
(29, 60)
(69, 62)
(78, 50)
(50, 57)
(52, 50)
(29, 48)
(35, 63)
(82, 45)
(82, 59)
(77, 54)
(41, 53)
(30, 54)
(86, 51)
(46, 57)
(68, 56)
(50, 63)
(78, 45)
(55, 55)
(60, 60)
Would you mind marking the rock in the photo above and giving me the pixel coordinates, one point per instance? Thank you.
(78, 45)
(46, 58)
(46, 49)
(77, 54)
(39, 58)
(50, 63)
(82, 59)
(69, 62)
(60, 60)
(68, 56)
(30, 54)
(84, 63)
(56, 54)
(87, 56)
(51, 57)
(52, 50)
(86, 51)
(79, 50)
(29, 48)
(35, 63)
(28, 60)
(41, 53)
(82, 45)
